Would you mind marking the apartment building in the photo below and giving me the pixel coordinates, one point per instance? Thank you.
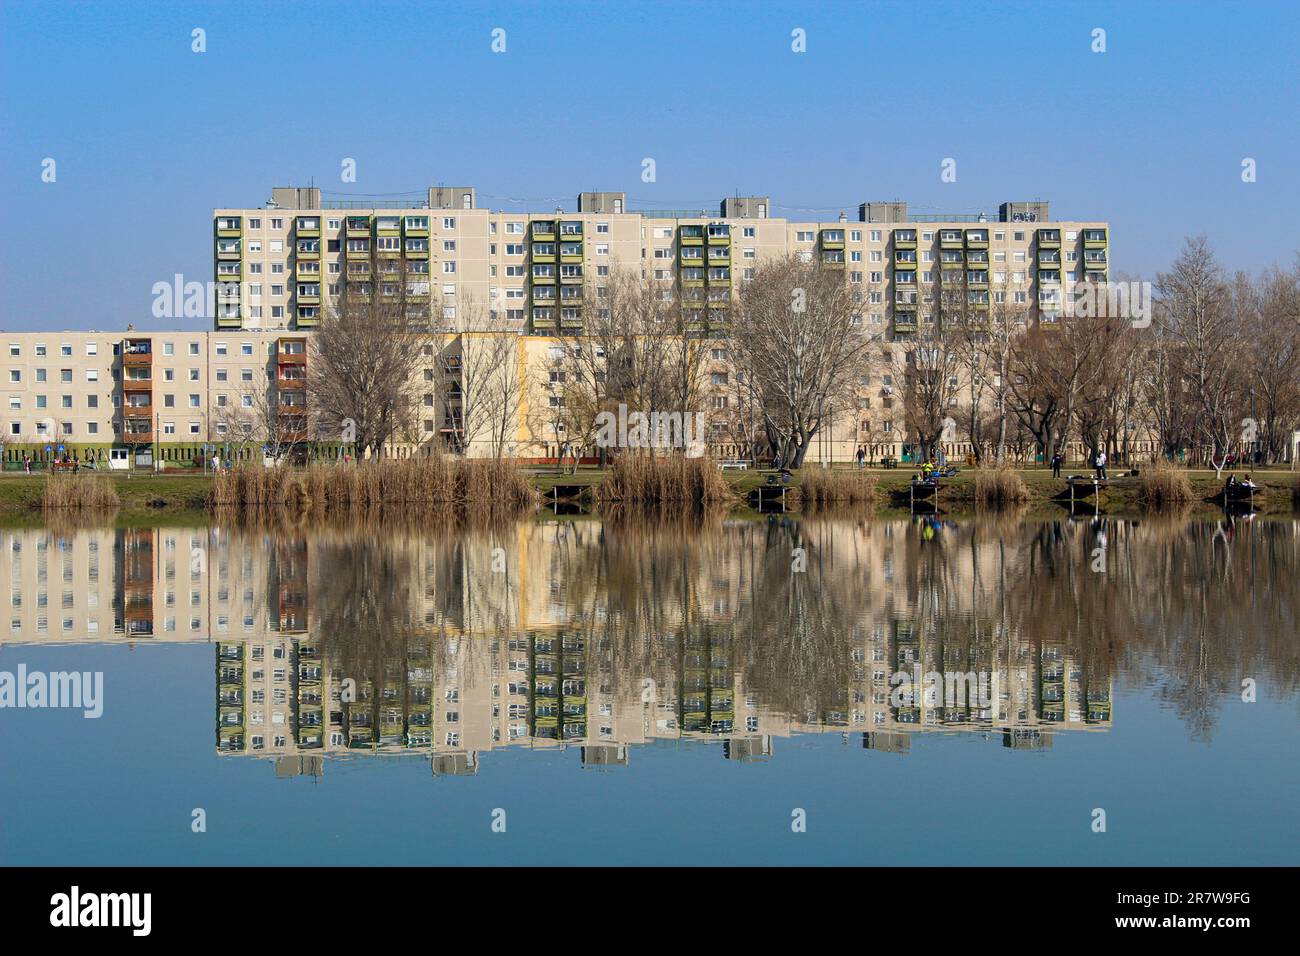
(279, 265)
(162, 395)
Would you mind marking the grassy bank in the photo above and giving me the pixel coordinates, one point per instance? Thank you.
(185, 499)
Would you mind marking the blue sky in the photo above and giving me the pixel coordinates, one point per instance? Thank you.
(148, 136)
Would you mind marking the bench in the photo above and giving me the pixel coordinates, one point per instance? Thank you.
(889, 463)
(734, 463)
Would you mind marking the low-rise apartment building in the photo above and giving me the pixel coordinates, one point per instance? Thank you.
(164, 395)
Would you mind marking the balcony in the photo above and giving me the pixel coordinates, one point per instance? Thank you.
(229, 249)
(833, 258)
(388, 225)
(904, 321)
(1050, 257)
(977, 280)
(417, 249)
(1094, 238)
(690, 236)
(307, 227)
(1049, 238)
(977, 239)
(720, 256)
(832, 238)
(229, 227)
(904, 260)
(291, 352)
(1094, 260)
(543, 230)
(308, 317)
(229, 320)
(951, 239)
(137, 352)
(1051, 276)
(358, 227)
(904, 238)
(571, 252)
(952, 277)
(905, 278)
(417, 226)
(229, 271)
(358, 250)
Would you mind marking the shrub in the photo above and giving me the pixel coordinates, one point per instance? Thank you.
(1163, 485)
(640, 480)
(996, 487)
(85, 493)
(475, 486)
(822, 487)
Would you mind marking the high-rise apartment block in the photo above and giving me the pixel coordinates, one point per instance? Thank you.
(280, 265)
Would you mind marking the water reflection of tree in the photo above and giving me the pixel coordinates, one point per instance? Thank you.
(1181, 606)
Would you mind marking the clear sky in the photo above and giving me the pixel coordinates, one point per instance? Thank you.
(148, 136)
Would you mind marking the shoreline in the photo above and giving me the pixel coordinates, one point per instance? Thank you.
(187, 497)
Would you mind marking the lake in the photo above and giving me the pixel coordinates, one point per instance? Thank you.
(730, 690)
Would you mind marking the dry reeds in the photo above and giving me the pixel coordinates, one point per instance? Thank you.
(821, 488)
(1164, 486)
(89, 493)
(639, 480)
(999, 487)
(475, 486)
(1295, 494)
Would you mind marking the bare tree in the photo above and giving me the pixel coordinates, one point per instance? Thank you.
(276, 418)
(480, 383)
(1272, 312)
(368, 353)
(798, 337)
(1193, 304)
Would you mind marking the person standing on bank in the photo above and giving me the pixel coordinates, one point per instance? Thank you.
(1056, 464)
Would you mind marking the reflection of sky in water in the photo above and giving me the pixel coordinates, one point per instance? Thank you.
(1185, 771)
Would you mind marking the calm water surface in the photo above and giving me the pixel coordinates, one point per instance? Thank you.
(667, 694)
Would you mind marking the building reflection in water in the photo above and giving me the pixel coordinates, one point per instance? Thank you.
(602, 638)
